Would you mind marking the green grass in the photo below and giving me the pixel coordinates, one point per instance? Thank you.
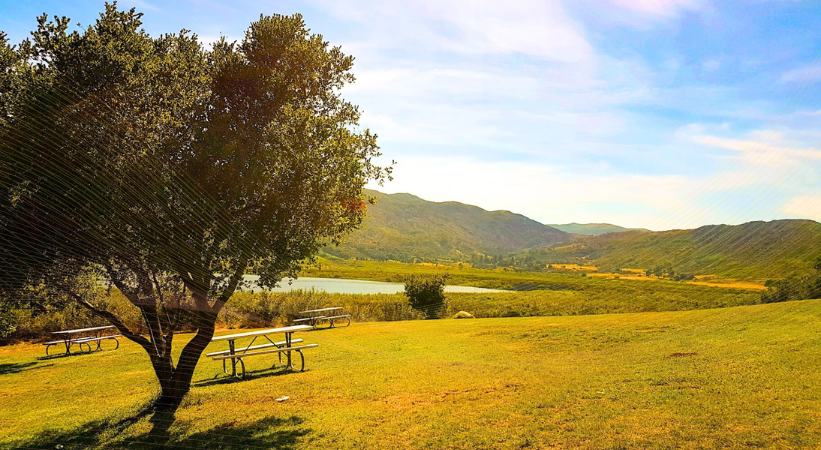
(731, 377)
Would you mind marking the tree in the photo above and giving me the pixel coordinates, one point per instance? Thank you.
(426, 294)
(796, 287)
(165, 169)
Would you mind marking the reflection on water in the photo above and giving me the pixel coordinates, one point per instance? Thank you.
(344, 286)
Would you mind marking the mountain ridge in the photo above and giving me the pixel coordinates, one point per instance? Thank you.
(405, 227)
(757, 249)
(591, 229)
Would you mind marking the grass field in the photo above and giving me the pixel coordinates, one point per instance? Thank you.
(732, 377)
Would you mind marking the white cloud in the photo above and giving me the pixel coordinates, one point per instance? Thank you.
(762, 147)
(804, 207)
(474, 27)
(553, 193)
(508, 106)
(659, 8)
(807, 74)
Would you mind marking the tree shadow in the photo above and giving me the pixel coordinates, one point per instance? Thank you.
(66, 355)
(6, 369)
(85, 436)
(249, 375)
(270, 432)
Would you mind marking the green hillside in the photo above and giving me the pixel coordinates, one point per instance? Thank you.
(404, 227)
(754, 250)
(589, 229)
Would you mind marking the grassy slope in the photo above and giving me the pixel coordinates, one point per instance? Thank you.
(754, 250)
(404, 227)
(744, 376)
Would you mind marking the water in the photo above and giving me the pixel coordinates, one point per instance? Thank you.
(345, 286)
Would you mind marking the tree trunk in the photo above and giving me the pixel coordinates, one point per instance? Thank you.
(175, 382)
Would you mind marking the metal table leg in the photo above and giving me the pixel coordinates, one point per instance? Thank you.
(288, 345)
(233, 360)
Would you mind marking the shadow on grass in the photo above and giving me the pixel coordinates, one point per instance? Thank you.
(270, 432)
(6, 369)
(66, 355)
(249, 375)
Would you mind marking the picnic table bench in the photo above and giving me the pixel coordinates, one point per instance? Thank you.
(316, 316)
(236, 355)
(83, 337)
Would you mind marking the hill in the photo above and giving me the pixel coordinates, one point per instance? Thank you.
(589, 229)
(754, 250)
(404, 227)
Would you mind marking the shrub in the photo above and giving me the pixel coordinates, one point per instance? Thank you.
(792, 288)
(426, 294)
(8, 324)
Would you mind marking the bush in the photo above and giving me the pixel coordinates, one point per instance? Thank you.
(792, 288)
(8, 324)
(427, 294)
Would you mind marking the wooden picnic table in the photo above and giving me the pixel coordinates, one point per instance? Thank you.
(69, 337)
(236, 355)
(315, 316)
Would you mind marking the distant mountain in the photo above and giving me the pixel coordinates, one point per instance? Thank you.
(404, 227)
(590, 229)
(751, 250)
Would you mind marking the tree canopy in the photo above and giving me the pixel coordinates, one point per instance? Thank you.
(166, 169)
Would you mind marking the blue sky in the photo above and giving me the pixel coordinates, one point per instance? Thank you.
(652, 113)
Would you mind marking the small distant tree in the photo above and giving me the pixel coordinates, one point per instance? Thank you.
(684, 277)
(427, 294)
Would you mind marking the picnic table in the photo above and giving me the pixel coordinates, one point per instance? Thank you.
(316, 316)
(83, 336)
(237, 354)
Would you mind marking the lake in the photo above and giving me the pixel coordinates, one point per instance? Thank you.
(345, 286)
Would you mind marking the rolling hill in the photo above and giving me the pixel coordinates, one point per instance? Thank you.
(405, 227)
(589, 229)
(753, 250)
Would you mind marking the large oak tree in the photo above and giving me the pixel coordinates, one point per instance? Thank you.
(168, 169)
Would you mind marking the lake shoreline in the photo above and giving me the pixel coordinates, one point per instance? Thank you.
(349, 286)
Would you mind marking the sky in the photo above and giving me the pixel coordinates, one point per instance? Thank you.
(644, 113)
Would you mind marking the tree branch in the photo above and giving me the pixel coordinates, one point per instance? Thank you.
(232, 285)
(124, 330)
(118, 282)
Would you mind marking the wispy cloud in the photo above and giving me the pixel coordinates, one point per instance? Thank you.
(804, 207)
(554, 192)
(763, 147)
(659, 8)
(806, 74)
(534, 28)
